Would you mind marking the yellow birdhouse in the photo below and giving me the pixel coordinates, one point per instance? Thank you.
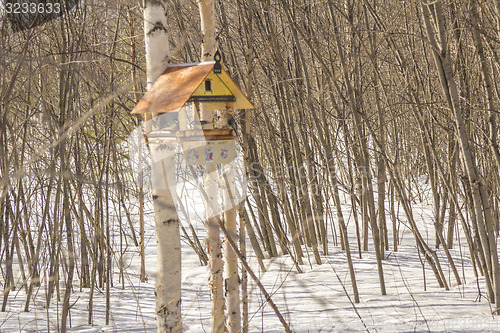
(194, 104)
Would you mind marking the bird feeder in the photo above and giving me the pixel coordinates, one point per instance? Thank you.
(194, 105)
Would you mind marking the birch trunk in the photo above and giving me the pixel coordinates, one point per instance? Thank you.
(214, 252)
(231, 260)
(244, 275)
(208, 45)
(155, 44)
(208, 48)
(168, 279)
(207, 17)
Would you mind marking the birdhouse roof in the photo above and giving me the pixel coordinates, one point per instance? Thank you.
(179, 83)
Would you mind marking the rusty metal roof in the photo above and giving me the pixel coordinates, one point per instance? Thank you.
(173, 88)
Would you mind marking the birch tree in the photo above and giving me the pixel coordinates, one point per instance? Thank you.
(168, 278)
(215, 252)
(231, 267)
(208, 48)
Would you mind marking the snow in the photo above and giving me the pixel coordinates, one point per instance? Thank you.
(318, 300)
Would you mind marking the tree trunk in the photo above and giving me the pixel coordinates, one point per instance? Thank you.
(365, 172)
(168, 279)
(231, 261)
(482, 209)
(215, 262)
(208, 48)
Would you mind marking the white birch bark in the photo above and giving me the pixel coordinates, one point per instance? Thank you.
(155, 44)
(207, 17)
(168, 278)
(231, 260)
(155, 39)
(214, 252)
(208, 47)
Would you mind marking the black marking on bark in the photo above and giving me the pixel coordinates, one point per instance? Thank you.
(155, 197)
(158, 26)
(154, 3)
(171, 221)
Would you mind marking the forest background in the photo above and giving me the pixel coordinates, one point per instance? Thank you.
(358, 98)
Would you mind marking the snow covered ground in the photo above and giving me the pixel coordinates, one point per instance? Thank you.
(314, 301)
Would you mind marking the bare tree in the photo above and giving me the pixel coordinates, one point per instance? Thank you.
(168, 279)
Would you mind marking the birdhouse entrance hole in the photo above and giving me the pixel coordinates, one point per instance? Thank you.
(208, 85)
